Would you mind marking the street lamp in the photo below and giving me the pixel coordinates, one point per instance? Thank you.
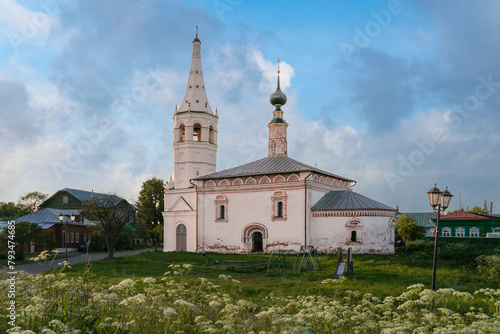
(61, 218)
(156, 245)
(439, 202)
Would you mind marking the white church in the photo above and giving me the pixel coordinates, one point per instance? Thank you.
(268, 204)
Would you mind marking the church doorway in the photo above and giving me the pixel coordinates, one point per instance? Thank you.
(257, 242)
(181, 238)
(254, 237)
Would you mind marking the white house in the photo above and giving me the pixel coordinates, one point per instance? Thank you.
(275, 202)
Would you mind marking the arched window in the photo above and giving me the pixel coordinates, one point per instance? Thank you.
(279, 206)
(211, 135)
(221, 212)
(279, 209)
(221, 209)
(182, 133)
(354, 236)
(181, 238)
(197, 132)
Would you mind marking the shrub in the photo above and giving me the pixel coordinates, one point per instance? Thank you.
(489, 266)
(124, 241)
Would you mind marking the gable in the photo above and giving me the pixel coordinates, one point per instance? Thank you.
(181, 205)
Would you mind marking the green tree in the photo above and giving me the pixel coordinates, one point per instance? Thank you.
(26, 233)
(408, 229)
(475, 209)
(32, 200)
(112, 214)
(11, 210)
(150, 205)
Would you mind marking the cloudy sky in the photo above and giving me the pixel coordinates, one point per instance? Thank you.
(396, 95)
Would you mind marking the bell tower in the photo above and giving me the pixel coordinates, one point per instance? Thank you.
(278, 145)
(195, 128)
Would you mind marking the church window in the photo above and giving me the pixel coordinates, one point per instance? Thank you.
(197, 132)
(222, 212)
(279, 206)
(446, 232)
(474, 232)
(279, 209)
(182, 133)
(197, 86)
(221, 209)
(354, 230)
(181, 238)
(460, 232)
(211, 134)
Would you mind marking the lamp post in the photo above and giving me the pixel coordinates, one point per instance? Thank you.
(154, 228)
(439, 202)
(61, 218)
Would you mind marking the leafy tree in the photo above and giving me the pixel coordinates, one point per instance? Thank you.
(150, 204)
(10, 210)
(475, 209)
(112, 214)
(26, 233)
(32, 200)
(408, 228)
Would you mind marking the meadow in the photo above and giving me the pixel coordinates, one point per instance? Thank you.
(159, 292)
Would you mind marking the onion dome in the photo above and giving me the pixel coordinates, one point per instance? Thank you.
(278, 98)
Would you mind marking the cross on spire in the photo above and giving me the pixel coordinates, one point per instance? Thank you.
(196, 31)
(279, 66)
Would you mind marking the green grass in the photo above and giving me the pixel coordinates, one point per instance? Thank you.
(380, 275)
(133, 295)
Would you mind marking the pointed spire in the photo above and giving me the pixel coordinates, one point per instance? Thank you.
(196, 96)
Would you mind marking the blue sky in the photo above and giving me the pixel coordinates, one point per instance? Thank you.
(397, 95)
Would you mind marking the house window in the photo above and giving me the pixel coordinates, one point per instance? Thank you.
(72, 237)
(84, 237)
(460, 232)
(77, 237)
(221, 209)
(279, 206)
(65, 199)
(474, 232)
(496, 230)
(446, 232)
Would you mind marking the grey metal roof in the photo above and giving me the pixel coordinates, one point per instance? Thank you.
(348, 200)
(48, 217)
(84, 195)
(268, 165)
(421, 218)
